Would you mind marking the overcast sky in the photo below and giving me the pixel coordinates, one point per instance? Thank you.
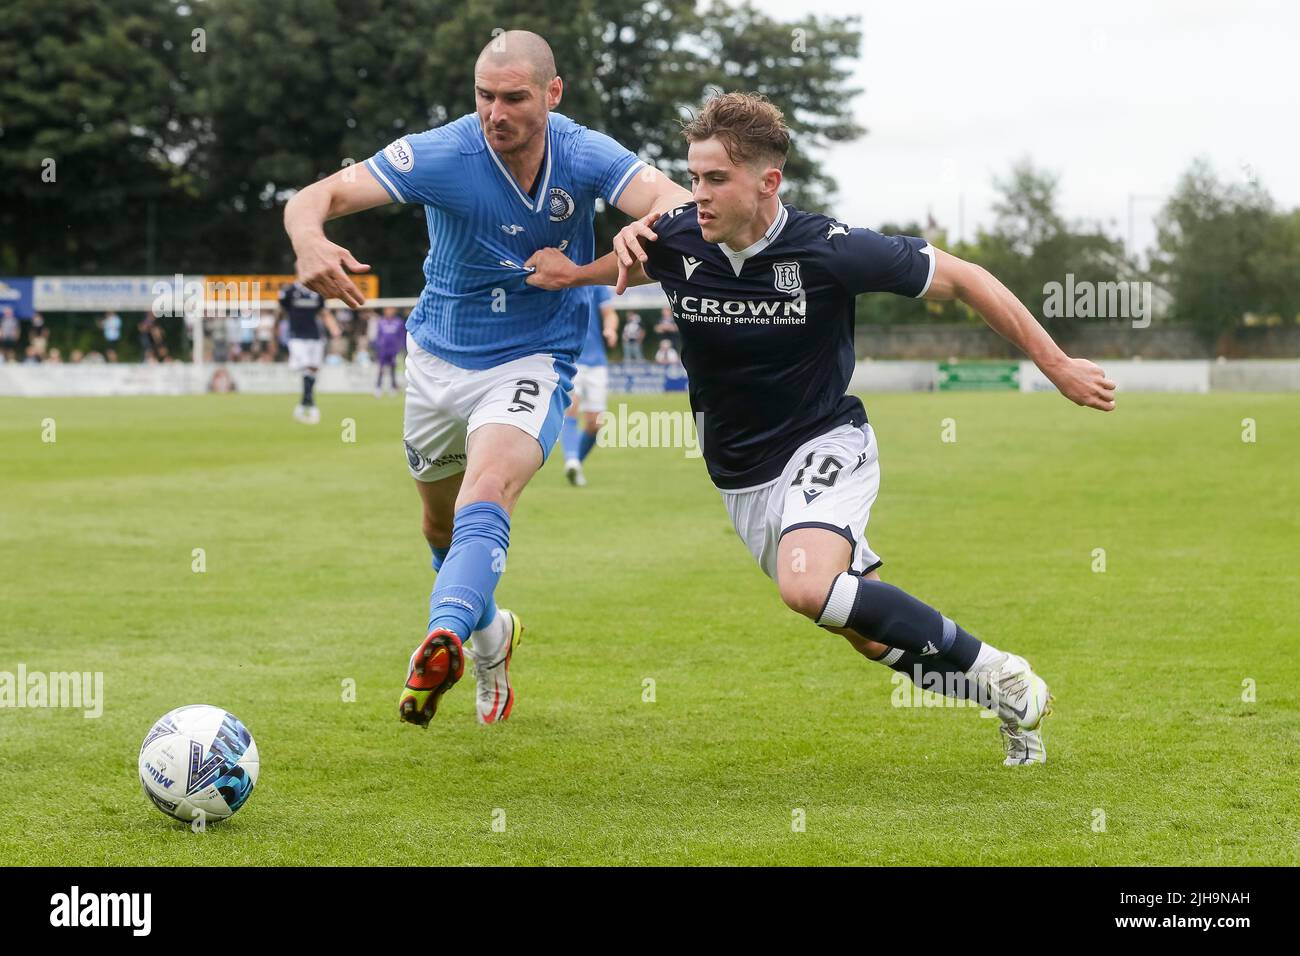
(1117, 96)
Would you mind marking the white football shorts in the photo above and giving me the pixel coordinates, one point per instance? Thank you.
(830, 482)
(445, 403)
(591, 386)
(305, 354)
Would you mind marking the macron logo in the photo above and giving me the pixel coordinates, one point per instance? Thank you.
(512, 230)
(929, 649)
(837, 229)
(690, 264)
(103, 909)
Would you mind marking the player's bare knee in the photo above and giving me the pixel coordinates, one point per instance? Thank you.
(491, 485)
(805, 594)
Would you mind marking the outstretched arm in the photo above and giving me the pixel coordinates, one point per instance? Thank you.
(1077, 379)
(649, 195)
(321, 264)
(552, 269)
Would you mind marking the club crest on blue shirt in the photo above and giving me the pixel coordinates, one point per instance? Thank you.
(561, 204)
(787, 277)
(401, 155)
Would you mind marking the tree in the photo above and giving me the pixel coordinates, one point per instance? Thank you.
(1032, 245)
(804, 67)
(1226, 252)
(209, 143)
(99, 117)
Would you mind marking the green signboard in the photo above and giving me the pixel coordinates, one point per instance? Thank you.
(979, 376)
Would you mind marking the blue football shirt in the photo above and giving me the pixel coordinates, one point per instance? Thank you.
(477, 310)
(593, 346)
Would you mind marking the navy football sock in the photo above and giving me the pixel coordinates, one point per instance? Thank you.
(931, 673)
(308, 383)
(463, 592)
(889, 615)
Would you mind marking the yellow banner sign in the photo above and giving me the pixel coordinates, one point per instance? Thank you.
(266, 288)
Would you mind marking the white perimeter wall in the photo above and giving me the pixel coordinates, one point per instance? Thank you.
(885, 376)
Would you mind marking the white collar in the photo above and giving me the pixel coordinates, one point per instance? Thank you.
(543, 188)
(737, 259)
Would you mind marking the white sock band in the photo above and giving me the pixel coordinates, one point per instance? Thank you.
(891, 656)
(839, 604)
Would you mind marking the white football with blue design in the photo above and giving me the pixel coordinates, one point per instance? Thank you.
(198, 762)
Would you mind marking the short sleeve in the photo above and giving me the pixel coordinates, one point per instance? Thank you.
(659, 254)
(422, 168)
(863, 260)
(605, 166)
(656, 259)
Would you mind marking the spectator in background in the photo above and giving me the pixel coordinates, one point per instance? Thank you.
(9, 333)
(38, 340)
(633, 336)
(111, 326)
(336, 350)
(265, 335)
(144, 334)
(390, 336)
(159, 336)
(222, 382)
(219, 339)
(76, 356)
(667, 355)
(247, 338)
(55, 357)
(667, 328)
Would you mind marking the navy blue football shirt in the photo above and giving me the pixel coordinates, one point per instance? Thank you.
(767, 331)
(302, 306)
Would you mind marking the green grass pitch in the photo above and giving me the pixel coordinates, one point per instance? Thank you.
(316, 574)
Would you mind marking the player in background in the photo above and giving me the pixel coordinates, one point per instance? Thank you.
(763, 295)
(489, 357)
(590, 384)
(390, 336)
(306, 311)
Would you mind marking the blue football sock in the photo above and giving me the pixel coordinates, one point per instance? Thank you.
(569, 437)
(884, 613)
(489, 611)
(588, 442)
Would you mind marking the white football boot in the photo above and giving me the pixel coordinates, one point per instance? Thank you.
(495, 698)
(1019, 696)
(300, 414)
(573, 471)
(1022, 746)
(313, 415)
